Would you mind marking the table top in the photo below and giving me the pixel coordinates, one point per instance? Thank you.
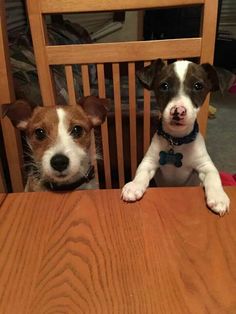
(2, 197)
(89, 252)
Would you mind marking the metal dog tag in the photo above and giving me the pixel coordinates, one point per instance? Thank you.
(170, 158)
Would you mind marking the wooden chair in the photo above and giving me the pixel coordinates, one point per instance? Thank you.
(2, 180)
(11, 137)
(115, 54)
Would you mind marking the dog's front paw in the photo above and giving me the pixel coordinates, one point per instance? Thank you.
(132, 191)
(218, 202)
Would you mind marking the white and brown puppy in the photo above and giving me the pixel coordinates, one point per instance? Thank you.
(177, 155)
(59, 138)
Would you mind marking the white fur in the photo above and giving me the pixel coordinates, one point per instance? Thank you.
(181, 68)
(191, 115)
(65, 145)
(195, 158)
(22, 125)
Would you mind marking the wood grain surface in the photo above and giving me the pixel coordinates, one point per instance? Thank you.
(89, 252)
(2, 197)
(123, 51)
(70, 6)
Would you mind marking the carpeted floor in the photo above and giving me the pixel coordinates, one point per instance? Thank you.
(221, 132)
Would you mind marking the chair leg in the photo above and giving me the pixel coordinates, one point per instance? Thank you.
(3, 188)
(14, 154)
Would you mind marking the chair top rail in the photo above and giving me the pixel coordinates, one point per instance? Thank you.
(70, 6)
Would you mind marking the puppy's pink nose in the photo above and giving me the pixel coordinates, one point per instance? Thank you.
(179, 111)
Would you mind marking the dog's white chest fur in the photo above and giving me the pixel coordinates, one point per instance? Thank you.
(186, 175)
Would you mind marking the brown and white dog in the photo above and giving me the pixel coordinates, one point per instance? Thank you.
(59, 138)
(177, 155)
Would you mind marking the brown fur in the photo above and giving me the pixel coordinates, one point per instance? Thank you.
(91, 113)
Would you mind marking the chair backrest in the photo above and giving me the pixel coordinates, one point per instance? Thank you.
(11, 136)
(115, 54)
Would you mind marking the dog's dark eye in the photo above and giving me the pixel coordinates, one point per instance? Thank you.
(164, 87)
(77, 131)
(198, 86)
(40, 134)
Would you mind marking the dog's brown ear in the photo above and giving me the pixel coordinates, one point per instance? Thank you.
(148, 73)
(212, 76)
(95, 108)
(18, 112)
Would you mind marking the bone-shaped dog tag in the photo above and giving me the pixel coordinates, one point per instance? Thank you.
(170, 158)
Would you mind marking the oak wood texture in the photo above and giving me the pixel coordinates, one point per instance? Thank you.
(146, 117)
(86, 91)
(104, 128)
(115, 53)
(2, 180)
(89, 252)
(209, 20)
(11, 137)
(132, 117)
(118, 120)
(63, 6)
(70, 85)
(124, 51)
(2, 197)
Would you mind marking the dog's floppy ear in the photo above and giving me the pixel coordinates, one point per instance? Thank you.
(148, 73)
(18, 112)
(212, 76)
(95, 108)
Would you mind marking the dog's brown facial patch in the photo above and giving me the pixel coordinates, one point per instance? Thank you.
(170, 81)
(76, 117)
(196, 84)
(166, 86)
(46, 119)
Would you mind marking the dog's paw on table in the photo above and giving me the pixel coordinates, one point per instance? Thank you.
(218, 202)
(132, 192)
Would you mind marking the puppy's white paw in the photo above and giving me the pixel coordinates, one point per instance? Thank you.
(132, 191)
(218, 202)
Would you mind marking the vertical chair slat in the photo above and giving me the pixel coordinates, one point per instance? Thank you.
(86, 89)
(146, 116)
(118, 121)
(14, 152)
(132, 114)
(85, 79)
(11, 136)
(70, 84)
(39, 38)
(2, 180)
(104, 128)
(209, 20)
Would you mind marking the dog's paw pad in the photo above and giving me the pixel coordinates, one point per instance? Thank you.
(219, 203)
(132, 192)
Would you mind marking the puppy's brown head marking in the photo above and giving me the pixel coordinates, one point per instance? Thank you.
(167, 81)
(180, 89)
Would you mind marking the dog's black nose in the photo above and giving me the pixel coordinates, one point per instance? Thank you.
(59, 162)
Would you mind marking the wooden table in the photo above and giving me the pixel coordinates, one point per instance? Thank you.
(89, 252)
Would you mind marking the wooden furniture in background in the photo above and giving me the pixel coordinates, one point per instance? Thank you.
(2, 180)
(89, 252)
(115, 54)
(11, 137)
(2, 197)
